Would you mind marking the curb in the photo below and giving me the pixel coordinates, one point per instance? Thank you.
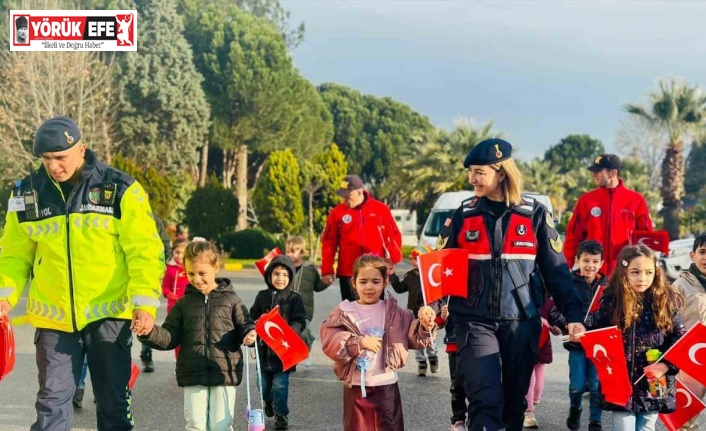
(233, 267)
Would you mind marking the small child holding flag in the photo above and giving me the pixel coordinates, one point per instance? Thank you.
(279, 275)
(371, 396)
(646, 310)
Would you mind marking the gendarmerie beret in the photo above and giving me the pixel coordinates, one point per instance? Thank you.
(488, 152)
(55, 135)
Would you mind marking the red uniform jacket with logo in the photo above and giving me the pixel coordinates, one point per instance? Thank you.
(607, 216)
(367, 228)
(507, 280)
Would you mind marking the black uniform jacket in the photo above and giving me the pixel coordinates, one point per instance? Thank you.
(514, 255)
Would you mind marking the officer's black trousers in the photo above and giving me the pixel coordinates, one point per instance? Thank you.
(495, 361)
(60, 356)
(347, 290)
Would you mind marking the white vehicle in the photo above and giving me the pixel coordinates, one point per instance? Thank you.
(678, 258)
(447, 203)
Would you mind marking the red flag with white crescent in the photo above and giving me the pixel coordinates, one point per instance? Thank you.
(443, 273)
(604, 347)
(657, 240)
(262, 263)
(281, 338)
(688, 406)
(689, 353)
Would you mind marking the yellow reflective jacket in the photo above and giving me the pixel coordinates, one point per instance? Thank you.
(89, 260)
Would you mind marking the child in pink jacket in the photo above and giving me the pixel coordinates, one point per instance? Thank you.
(368, 341)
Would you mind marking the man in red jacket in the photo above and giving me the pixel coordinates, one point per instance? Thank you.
(607, 214)
(358, 226)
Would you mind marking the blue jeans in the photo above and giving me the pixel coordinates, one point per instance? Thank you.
(84, 372)
(275, 389)
(145, 352)
(582, 370)
(631, 421)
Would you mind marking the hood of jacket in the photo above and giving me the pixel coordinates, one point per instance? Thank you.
(284, 261)
(223, 284)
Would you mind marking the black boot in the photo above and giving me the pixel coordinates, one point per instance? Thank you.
(573, 422)
(147, 364)
(281, 422)
(269, 409)
(422, 369)
(78, 398)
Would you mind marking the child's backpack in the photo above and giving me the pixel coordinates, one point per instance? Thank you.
(256, 418)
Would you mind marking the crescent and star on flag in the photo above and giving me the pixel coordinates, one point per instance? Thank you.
(269, 326)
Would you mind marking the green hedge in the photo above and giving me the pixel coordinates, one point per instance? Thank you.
(250, 243)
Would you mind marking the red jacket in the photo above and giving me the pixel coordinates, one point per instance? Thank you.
(607, 216)
(367, 228)
(174, 282)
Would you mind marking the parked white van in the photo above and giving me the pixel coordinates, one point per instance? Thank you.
(447, 203)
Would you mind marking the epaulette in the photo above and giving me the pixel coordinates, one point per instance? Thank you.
(470, 204)
(526, 207)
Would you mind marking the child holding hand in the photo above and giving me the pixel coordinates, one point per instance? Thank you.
(368, 341)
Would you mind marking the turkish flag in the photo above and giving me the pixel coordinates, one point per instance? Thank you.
(596, 301)
(684, 354)
(442, 273)
(262, 263)
(657, 240)
(604, 347)
(544, 335)
(281, 338)
(688, 406)
(134, 372)
(7, 347)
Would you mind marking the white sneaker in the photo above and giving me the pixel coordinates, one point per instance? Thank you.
(530, 421)
(458, 426)
(307, 363)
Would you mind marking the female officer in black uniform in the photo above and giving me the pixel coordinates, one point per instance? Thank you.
(514, 252)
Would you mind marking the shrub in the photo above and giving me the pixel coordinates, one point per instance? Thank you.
(211, 211)
(250, 243)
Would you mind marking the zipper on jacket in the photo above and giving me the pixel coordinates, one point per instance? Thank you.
(207, 336)
(68, 253)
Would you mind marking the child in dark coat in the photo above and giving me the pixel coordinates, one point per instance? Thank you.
(275, 381)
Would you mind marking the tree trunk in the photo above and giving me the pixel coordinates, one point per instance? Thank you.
(311, 222)
(672, 187)
(241, 186)
(229, 165)
(203, 169)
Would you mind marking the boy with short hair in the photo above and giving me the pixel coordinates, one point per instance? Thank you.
(306, 281)
(275, 381)
(587, 279)
(692, 285)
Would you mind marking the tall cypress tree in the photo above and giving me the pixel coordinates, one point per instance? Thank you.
(278, 194)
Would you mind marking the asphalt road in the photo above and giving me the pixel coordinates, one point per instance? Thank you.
(315, 395)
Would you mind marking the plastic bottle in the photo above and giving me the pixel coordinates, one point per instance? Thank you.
(657, 388)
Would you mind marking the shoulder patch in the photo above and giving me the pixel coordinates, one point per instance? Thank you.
(556, 244)
(550, 221)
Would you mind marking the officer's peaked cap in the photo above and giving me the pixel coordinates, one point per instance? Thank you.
(488, 152)
(55, 135)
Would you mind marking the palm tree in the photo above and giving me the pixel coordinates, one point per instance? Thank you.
(679, 110)
(434, 163)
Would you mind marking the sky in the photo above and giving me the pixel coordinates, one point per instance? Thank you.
(539, 70)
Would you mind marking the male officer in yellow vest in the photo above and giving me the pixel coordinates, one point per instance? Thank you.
(85, 232)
